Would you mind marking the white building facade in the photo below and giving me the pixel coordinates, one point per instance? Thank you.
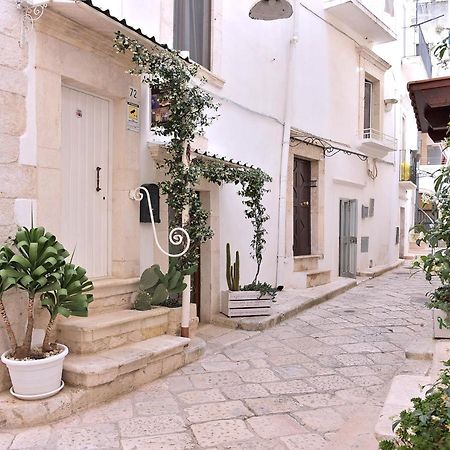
(318, 101)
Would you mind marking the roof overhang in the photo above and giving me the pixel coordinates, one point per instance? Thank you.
(431, 102)
(101, 21)
(360, 19)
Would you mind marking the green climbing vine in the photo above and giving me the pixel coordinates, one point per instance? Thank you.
(192, 109)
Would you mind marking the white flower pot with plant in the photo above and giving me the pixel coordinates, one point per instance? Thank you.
(36, 263)
(253, 299)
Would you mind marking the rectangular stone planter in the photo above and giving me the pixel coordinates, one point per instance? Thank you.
(175, 321)
(245, 303)
(440, 333)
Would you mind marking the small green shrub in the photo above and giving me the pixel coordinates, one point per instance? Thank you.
(263, 288)
(427, 425)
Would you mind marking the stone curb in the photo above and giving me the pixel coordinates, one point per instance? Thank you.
(264, 323)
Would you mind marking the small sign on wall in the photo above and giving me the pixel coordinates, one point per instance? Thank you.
(133, 116)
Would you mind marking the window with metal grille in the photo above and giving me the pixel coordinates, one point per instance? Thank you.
(192, 29)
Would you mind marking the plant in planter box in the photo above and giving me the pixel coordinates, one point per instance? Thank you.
(437, 263)
(36, 263)
(253, 299)
(427, 425)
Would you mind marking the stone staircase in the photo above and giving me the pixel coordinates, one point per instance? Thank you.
(115, 341)
(307, 273)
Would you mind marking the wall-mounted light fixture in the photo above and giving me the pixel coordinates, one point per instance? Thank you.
(271, 10)
(388, 102)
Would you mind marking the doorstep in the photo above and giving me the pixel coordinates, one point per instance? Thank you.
(15, 413)
(288, 304)
(380, 270)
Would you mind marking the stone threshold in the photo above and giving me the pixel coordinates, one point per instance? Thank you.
(288, 304)
(16, 413)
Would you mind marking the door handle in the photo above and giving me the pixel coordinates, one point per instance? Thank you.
(98, 188)
(304, 204)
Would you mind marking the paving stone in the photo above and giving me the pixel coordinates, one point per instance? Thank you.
(386, 358)
(272, 405)
(180, 383)
(258, 376)
(245, 391)
(257, 444)
(289, 387)
(116, 410)
(367, 380)
(354, 360)
(289, 360)
(103, 436)
(305, 441)
(322, 420)
(216, 379)
(220, 366)
(148, 426)
(330, 383)
(362, 347)
(221, 432)
(216, 411)
(336, 340)
(178, 441)
(353, 371)
(291, 372)
(273, 426)
(35, 437)
(206, 396)
(242, 355)
(6, 439)
(319, 400)
(157, 406)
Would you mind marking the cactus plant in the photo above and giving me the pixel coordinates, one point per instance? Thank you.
(232, 270)
(155, 287)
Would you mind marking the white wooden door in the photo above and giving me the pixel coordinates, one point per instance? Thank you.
(85, 155)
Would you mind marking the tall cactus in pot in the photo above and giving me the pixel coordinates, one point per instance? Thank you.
(232, 271)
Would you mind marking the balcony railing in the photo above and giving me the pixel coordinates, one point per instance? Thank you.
(371, 133)
(423, 51)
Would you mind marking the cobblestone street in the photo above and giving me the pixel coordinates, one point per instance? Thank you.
(316, 381)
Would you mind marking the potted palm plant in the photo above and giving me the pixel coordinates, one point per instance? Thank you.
(35, 262)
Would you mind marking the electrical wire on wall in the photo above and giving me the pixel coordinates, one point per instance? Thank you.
(372, 171)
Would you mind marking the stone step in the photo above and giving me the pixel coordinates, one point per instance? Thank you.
(112, 294)
(106, 331)
(152, 357)
(307, 262)
(317, 278)
(16, 413)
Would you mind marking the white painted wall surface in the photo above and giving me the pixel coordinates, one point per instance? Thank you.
(326, 100)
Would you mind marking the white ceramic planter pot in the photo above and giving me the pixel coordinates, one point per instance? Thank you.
(440, 332)
(245, 303)
(36, 379)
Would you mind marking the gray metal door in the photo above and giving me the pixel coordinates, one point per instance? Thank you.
(348, 240)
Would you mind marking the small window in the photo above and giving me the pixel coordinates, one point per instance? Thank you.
(368, 102)
(434, 155)
(192, 29)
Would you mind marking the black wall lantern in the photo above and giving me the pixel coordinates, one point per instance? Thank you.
(153, 189)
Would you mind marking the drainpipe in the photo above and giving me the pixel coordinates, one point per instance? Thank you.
(281, 251)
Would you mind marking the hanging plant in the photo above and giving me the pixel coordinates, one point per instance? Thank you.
(191, 111)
